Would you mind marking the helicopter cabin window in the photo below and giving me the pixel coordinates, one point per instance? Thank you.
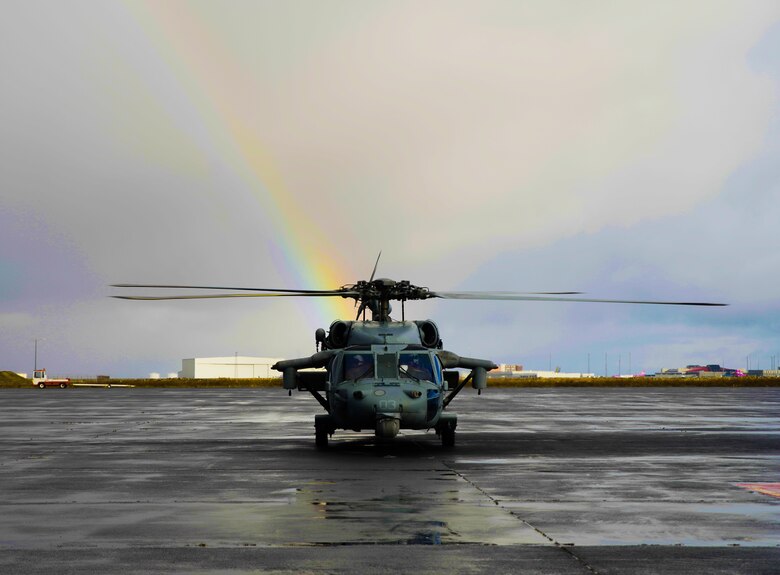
(358, 366)
(415, 366)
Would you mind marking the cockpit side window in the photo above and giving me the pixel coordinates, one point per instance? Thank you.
(358, 366)
(437, 368)
(415, 366)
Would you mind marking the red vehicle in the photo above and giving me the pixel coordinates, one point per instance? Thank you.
(41, 380)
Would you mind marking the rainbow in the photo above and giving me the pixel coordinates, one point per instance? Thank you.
(302, 254)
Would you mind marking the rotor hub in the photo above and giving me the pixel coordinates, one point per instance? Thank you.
(377, 294)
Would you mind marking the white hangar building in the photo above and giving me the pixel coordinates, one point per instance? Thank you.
(240, 367)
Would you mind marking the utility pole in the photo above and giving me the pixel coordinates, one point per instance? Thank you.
(35, 361)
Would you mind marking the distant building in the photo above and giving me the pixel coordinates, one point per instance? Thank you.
(508, 367)
(498, 374)
(241, 367)
(515, 370)
(552, 374)
(711, 370)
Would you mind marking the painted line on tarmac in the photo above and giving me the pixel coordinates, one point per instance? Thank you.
(771, 489)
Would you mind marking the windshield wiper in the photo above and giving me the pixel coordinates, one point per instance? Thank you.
(402, 370)
(368, 372)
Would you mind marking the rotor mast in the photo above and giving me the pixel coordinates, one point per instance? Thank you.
(377, 294)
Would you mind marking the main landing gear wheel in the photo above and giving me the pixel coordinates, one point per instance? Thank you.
(448, 437)
(321, 438)
(446, 428)
(323, 427)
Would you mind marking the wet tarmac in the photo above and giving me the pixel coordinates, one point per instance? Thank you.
(598, 480)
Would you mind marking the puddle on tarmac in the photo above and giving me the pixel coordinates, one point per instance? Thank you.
(418, 507)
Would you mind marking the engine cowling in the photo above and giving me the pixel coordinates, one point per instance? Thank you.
(429, 334)
(338, 336)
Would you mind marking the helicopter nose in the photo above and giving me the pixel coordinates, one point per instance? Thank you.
(389, 400)
(387, 427)
(389, 408)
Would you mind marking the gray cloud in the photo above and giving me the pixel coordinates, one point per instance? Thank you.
(623, 150)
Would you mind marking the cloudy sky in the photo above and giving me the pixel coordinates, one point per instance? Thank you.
(624, 149)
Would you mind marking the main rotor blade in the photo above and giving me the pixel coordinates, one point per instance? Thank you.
(479, 294)
(373, 273)
(228, 295)
(521, 297)
(291, 291)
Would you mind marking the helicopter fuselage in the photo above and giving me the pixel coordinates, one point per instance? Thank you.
(386, 388)
(384, 376)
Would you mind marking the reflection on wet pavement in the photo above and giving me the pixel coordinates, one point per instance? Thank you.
(385, 504)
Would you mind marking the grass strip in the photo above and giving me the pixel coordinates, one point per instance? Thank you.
(11, 380)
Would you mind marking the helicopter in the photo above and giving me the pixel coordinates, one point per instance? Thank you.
(383, 374)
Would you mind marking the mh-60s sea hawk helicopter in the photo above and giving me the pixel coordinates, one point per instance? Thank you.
(382, 374)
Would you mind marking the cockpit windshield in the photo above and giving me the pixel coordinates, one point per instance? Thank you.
(358, 365)
(412, 365)
(415, 366)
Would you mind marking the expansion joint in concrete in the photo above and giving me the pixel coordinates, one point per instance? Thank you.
(565, 548)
